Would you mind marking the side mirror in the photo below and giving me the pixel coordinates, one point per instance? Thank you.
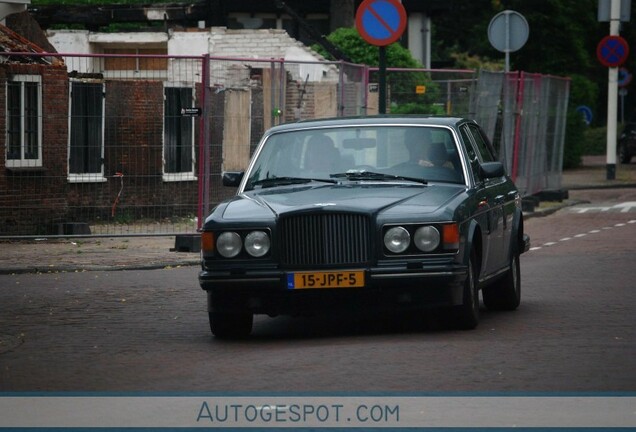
(492, 169)
(232, 178)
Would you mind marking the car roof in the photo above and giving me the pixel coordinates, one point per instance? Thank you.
(421, 120)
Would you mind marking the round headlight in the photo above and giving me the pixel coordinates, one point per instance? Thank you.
(426, 238)
(397, 239)
(229, 244)
(257, 243)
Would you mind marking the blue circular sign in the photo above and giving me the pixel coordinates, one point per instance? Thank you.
(586, 112)
(624, 77)
(381, 22)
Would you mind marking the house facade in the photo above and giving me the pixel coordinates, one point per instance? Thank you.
(119, 131)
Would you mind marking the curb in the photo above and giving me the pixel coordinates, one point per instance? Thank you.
(554, 209)
(602, 186)
(68, 268)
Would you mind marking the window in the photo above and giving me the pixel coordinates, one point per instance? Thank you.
(24, 121)
(483, 149)
(178, 136)
(86, 146)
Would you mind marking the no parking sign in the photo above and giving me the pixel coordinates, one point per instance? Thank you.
(612, 51)
(381, 22)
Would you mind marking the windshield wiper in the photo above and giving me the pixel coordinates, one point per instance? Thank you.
(370, 175)
(282, 181)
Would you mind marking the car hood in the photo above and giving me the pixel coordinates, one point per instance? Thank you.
(396, 199)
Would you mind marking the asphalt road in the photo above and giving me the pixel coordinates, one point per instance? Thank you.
(147, 330)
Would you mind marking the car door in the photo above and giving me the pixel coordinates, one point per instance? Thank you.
(491, 196)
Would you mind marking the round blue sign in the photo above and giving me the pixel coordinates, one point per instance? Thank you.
(624, 77)
(586, 112)
(381, 22)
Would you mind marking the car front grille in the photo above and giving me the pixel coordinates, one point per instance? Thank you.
(324, 239)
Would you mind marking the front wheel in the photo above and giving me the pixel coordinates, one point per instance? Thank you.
(467, 314)
(505, 294)
(231, 325)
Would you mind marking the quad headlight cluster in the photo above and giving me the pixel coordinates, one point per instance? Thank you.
(405, 239)
(230, 244)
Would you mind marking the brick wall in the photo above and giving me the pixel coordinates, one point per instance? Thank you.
(34, 199)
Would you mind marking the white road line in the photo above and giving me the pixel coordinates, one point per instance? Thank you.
(594, 231)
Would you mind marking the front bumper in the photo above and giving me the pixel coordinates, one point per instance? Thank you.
(388, 286)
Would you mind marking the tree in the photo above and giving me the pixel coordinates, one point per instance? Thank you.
(402, 84)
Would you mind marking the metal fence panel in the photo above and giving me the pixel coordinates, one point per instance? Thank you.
(427, 91)
(127, 144)
(524, 115)
(117, 151)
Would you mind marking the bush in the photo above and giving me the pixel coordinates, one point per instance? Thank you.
(574, 140)
(595, 141)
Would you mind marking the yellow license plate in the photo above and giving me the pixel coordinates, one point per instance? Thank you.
(329, 279)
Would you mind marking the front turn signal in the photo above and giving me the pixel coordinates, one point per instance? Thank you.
(207, 242)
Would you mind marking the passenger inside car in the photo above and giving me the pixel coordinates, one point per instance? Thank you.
(417, 141)
(321, 155)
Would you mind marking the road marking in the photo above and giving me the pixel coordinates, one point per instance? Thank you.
(581, 235)
(623, 207)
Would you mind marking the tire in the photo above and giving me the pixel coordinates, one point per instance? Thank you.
(505, 294)
(231, 325)
(623, 156)
(467, 314)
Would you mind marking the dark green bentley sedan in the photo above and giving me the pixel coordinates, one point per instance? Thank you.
(387, 212)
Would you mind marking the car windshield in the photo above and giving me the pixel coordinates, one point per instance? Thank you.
(370, 153)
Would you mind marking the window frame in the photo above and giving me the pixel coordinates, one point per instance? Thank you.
(23, 162)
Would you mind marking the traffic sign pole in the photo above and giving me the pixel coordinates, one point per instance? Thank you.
(382, 81)
(380, 23)
(612, 96)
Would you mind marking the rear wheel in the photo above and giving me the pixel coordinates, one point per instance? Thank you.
(467, 314)
(505, 294)
(231, 325)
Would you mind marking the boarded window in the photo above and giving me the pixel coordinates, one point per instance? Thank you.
(130, 59)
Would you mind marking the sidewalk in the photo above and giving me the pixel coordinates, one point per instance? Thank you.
(593, 175)
(134, 253)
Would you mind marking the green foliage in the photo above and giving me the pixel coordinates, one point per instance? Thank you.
(417, 108)
(465, 60)
(404, 100)
(583, 91)
(349, 41)
(595, 141)
(574, 140)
